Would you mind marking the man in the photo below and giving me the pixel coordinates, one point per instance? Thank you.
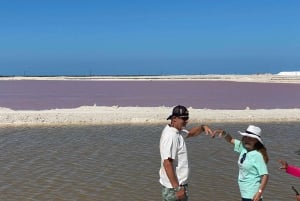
(174, 169)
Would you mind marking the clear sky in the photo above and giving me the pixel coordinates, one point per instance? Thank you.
(148, 37)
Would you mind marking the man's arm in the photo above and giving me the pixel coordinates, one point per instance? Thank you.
(169, 168)
(195, 131)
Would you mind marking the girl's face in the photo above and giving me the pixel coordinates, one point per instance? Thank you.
(249, 142)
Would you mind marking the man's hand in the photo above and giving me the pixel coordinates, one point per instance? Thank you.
(180, 194)
(207, 130)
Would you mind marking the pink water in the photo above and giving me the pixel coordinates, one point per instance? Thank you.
(42, 94)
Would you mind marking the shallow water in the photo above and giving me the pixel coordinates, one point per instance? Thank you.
(121, 162)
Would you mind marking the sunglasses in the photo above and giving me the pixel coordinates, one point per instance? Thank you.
(243, 158)
(184, 118)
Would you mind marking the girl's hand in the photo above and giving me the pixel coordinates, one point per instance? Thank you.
(219, 132)
(283, 163)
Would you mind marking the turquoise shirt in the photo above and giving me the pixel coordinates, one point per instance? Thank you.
(250, 171)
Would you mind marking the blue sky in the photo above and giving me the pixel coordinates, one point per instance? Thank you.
(94, 37)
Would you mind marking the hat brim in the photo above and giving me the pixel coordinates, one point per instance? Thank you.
(170, 117)
(251, 135)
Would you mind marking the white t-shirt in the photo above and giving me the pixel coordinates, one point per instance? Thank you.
(172, 146)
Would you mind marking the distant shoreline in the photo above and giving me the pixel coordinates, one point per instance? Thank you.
(267, 78)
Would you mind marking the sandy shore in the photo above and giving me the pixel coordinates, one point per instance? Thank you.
(138, 115)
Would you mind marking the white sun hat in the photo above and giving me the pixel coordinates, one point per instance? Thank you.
(254, 132)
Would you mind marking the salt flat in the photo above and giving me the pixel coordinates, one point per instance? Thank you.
(139, 115)
(143, 115)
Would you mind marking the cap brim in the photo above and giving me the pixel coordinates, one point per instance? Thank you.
(177, 116)
(251, 135)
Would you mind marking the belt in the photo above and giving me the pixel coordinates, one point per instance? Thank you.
(182, 185)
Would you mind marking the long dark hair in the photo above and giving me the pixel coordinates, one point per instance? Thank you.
(262, 149)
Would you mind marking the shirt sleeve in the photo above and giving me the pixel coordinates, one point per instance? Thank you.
(169, 147)
(293, 170)
(238, 146)
(261, 164)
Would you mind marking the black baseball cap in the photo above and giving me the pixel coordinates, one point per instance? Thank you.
(179, 111)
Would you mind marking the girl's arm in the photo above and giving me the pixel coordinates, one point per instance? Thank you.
(290, 169)
(264, 181)
(293, 170)
(227, 137)
(223, 133)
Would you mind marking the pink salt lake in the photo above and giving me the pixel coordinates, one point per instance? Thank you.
(51, 94)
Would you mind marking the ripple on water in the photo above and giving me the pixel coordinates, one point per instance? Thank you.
(121, 163)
